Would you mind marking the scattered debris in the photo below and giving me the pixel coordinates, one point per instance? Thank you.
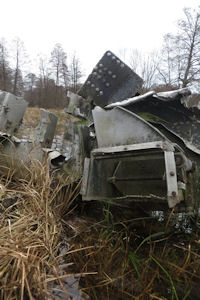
(168, 111)
(79, 107)
(23, 151)
(134, 167)
(128, 147)
(147, 145)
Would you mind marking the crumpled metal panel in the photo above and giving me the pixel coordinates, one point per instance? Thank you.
(179, 94)
(45, 130)
(122, 127)
(12, 109)
(168, 109)
(23, 151)
(55, 157)
(110, 81)
(78, 106)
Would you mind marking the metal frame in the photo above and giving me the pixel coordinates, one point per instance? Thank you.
(169, 161)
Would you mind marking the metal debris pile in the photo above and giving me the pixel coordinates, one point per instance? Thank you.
(126, 147)
(147, 146)
(37, 145)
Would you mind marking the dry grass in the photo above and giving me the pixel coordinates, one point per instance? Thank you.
(32, 117)
(30, 233)
(128, 257)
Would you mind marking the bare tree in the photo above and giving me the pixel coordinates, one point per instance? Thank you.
(134, 60)
(5, 70)
(145, 65)
(75, 72)
(29, 88)
(65, 73)
(44, 83)
(59, 64)
(124, 54)
(19, 56)
(59, 71)
(132, 57)
(167, 73)
(182, 51)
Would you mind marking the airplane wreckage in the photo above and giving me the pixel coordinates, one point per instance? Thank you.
(127, 148)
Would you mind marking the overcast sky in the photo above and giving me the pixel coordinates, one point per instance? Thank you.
(90, 27)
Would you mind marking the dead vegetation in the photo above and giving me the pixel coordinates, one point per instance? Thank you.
(31, 119)
(117, 253)
(31, 233)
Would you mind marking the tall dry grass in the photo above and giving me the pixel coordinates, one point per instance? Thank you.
(130, 258)
(31, 232)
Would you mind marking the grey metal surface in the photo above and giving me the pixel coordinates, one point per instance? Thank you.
(144, 173)
(180, 94)
(45, 130)
(24, 151)
(122, 127)
(86, 170)
(130, 101)
(165, 146)
(12, 110)
(55, 157)
(171, 179)
(169, 111)
(78, 106)
(132, 173)
(75, 147)
(21, 152)
(110, 81)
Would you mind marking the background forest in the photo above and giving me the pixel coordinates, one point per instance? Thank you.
(176, 65)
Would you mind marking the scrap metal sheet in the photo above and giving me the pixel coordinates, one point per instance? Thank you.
(168, 109)
(110, 81)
